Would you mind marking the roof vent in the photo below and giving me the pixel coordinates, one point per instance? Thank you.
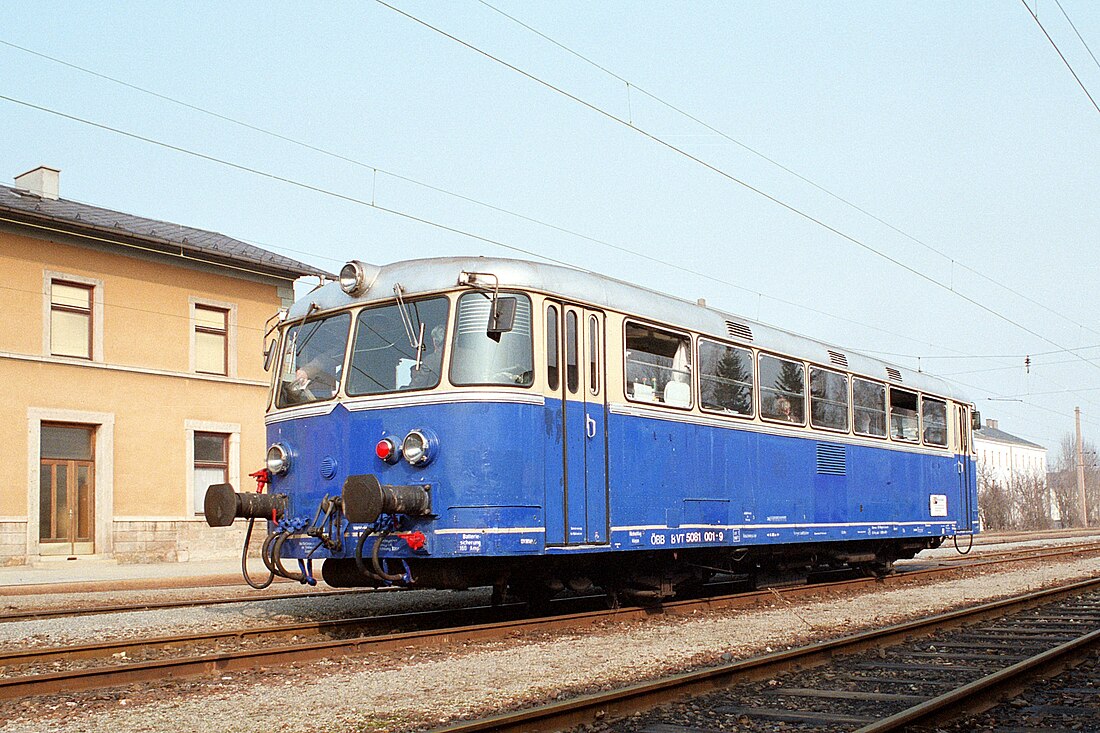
(838, 358)
(42, 182)
(739, 331)
(893, 373)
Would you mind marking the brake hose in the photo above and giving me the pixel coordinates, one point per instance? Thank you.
(359, 562)
(244, 560)
(378, 565)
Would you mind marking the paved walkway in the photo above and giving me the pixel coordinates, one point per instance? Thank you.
(99, 573)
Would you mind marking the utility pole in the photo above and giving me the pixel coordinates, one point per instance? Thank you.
(1081, 472)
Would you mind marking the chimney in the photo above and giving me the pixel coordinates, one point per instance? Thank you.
(991, 423)
(42, 181)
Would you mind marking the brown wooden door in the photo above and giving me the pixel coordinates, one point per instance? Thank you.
(66, 518)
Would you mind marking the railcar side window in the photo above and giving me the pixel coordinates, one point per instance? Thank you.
(869, 407)
(904, 419)
(479, 359)
(828, 399)
(725, 378)
(572, 368)
(934, 413)
(593, 355)
(383, 358)
(552, 347)
(313, 357)
(782, 389)
(658, 366)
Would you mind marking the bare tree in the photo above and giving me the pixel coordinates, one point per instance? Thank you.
(1063, 482)
(1030, 500)
(994, 500)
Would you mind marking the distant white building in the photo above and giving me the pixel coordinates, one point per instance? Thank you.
(1004, 454)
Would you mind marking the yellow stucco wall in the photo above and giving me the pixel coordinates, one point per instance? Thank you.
(143, 379)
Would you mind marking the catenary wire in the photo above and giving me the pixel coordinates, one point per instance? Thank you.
(787, 169)
(468, 199)
(1079, 36)
(732, 178)
(1035, 17)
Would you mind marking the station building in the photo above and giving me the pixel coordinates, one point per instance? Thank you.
(133, 354)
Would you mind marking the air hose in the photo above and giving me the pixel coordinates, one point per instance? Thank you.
(244, 560)
(378, 565)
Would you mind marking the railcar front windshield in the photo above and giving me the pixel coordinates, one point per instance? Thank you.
(383, 355)
(481, 359)
(313, 358)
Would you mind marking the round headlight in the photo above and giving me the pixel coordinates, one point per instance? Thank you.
(278, 459)
(417, 448)
(351, 278)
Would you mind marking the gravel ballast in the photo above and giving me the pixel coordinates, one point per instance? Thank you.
(419, 690)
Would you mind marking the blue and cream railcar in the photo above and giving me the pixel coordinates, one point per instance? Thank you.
(466, 421)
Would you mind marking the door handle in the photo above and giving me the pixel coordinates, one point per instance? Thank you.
(589, 426)
(959, 465)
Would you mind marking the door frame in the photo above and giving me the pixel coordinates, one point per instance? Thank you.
(103, 475)
(592, 403)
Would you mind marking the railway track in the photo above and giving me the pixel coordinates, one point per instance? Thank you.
(97, 665)
(49, 613)
(903, 677)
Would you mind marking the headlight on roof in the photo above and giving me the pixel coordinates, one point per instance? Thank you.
(356, 277)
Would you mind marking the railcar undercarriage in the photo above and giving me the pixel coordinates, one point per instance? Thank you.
(640, 575)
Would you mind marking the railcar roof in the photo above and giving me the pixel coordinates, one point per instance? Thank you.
(432, 275)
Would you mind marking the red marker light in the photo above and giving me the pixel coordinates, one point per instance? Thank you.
(386, 450)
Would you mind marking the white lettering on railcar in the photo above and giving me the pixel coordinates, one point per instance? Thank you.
(469, 543)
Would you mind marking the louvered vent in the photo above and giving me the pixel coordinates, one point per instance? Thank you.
(838, 358)
(739, 331)
(328, 467)
(893, 374)
(831, 460)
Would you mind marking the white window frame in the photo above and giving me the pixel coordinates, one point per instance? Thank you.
(230, 334)
(190, 427)
(96, 285)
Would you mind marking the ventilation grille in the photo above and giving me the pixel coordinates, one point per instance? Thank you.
(838, 358)
(831, 460)
(328, 467)
(893, 373)
(739, 331)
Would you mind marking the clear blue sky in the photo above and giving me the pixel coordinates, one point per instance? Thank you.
(955, 123)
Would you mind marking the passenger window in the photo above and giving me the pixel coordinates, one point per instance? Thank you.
(782, 390)
(593, 355)
(552, 347)
(869, 408)
(904, 420)
(828, 399)
(725, 378)
(658, 366)
(934, 413)
(572, 369)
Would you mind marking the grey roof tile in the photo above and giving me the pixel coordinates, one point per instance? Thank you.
(1001, 436)
(217, 247)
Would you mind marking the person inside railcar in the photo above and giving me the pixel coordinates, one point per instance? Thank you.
(431, 364)
(313, 361)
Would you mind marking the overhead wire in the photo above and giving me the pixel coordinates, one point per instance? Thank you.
(732, 178)
(1079, 36)
(408, 179)
(787, 169)
(1035, 17)
(419, 183)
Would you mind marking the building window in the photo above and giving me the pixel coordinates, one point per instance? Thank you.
(211, 464)
(71, 319)
(211, 340)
